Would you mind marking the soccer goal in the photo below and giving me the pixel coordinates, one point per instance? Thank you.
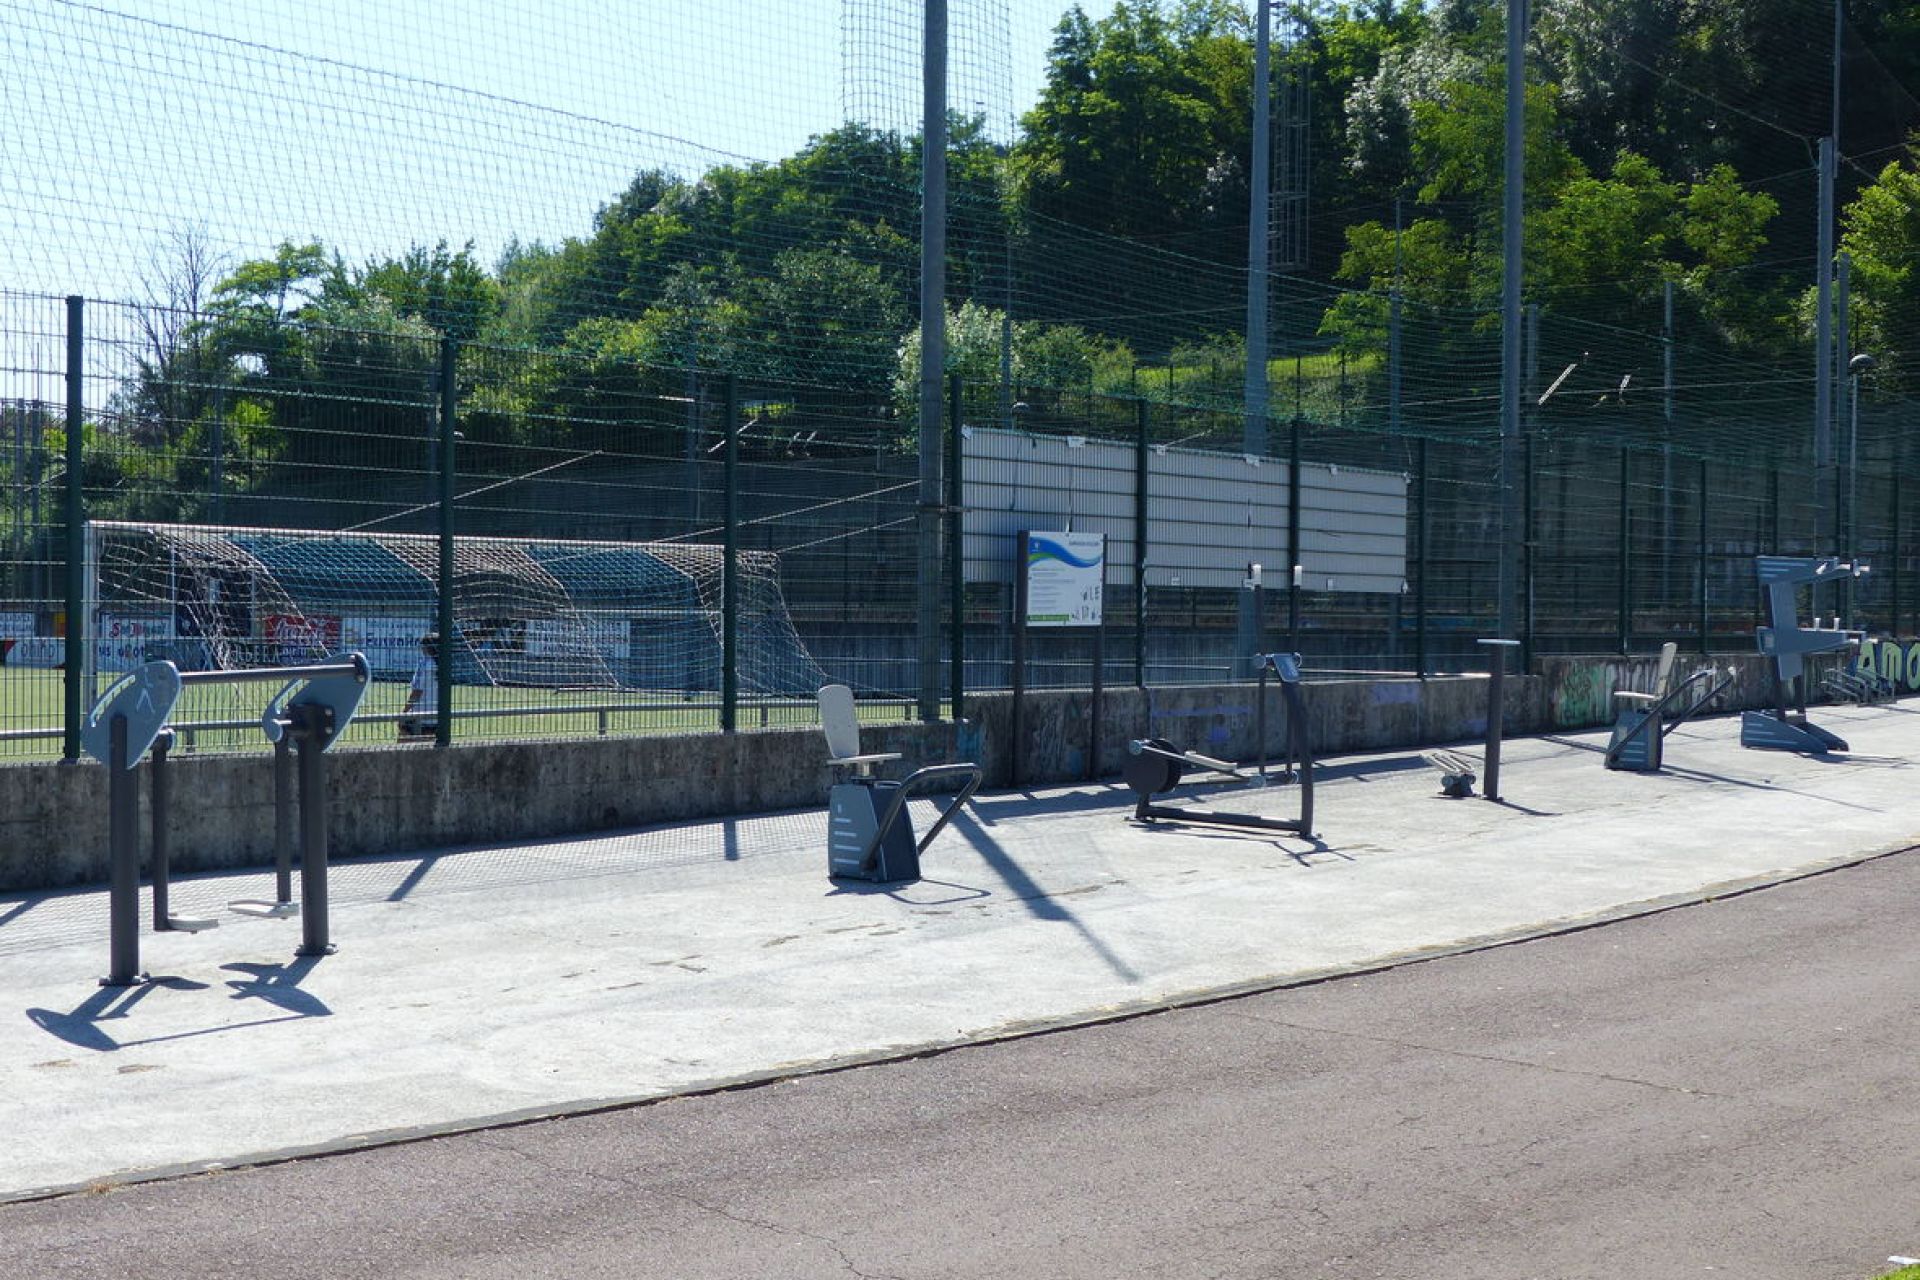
(528, 613)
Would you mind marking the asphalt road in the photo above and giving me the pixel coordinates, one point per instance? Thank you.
(1723, 1089)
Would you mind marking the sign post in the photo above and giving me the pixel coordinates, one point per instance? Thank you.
(1060, 583)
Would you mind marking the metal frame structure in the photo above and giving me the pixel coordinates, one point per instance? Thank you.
(1156, 766)
(313, 706)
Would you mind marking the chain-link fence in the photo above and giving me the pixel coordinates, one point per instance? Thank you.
(639, 547)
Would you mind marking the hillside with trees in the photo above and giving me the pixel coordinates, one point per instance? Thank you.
(1103, 248)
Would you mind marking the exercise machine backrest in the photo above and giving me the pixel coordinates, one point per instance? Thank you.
(841, 725)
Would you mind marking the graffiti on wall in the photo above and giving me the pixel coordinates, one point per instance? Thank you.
(1896, 661)
(1582, 693)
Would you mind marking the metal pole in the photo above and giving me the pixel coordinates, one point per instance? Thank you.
(123, 844)
(1254, 429)
(283, 819)
(1666, 445)
(309, 730)
(1526, 552)
(730, 563)
(1420, 562)
(1140, 457)
(1393, 331)
(1825, 532)
(160, 852)
(1893, 552)
(933, 343)
(1017, 752)
(443, 659)
(956, 551)
(1705, 622)
(77, 666)
(1625, 553)
(1513, 231)
(1293, 534)
(1843, 487)
(1496, 709)
(1095, 699)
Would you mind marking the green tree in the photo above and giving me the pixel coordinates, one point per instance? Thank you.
(1881, 232)
(1142, 127)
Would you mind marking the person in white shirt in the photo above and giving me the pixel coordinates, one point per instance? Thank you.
(417, 718)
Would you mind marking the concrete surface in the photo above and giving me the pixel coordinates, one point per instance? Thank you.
(1723, 1089)
(541, 979)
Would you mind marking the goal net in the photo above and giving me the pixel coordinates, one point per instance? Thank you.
(546, 614)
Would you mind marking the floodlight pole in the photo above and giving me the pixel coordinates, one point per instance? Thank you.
(933, 344)
(1254, 434)
(1827, 529)
(1512, 228)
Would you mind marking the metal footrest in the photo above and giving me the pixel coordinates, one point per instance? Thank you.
(1770, 732)
(264, 910)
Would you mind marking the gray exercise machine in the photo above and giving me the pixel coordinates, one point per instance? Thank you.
(1644, 721)
(129, 720)
(1156, 766)
(869, 830)
(1788, 644)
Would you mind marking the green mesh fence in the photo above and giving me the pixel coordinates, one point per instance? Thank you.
(662, 267)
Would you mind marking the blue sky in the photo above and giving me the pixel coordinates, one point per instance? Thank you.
(374, 124)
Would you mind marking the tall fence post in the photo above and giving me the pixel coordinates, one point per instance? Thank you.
(1705, 622)
(956, 551)
(1141, 454)
(1773, 510)
(77, 666)
(1420, 561)
(1893, 555)
(1526, 550)
(1293, 534)
(443, 661)
(730, 566)
(1624, 558)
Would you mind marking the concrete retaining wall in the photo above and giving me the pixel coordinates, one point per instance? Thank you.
(53, 817)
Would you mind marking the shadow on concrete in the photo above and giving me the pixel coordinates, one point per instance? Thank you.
(1505, 803)
(82, 1027)
(1701, 775)
(1041, 904)
(52, 919)
(572, 857)
(1314, 846)
(1007, 806)
(910, 892)
(278, 985)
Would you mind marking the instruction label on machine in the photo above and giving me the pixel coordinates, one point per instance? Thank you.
(1066, 575)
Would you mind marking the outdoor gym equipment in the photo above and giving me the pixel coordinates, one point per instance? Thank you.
(1155, 766)
(869, 830)
(1456, 773)
(1788, 644)
(313, 707)
(1643, 725)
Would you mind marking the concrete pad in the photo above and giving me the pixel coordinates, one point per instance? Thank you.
(482, 984)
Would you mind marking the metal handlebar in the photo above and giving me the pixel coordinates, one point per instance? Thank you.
(931, 773)
(356, 667)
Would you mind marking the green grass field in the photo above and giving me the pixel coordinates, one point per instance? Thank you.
(31, 699)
